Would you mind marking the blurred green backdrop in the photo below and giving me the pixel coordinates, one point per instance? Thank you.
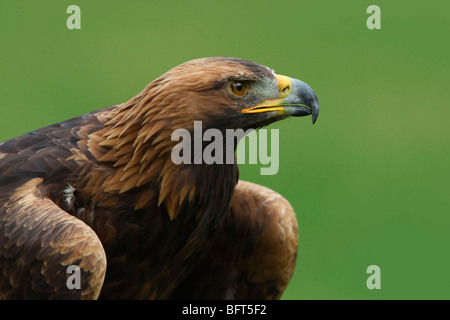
(369, 181)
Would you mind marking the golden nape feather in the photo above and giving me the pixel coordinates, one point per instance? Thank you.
(102, 195)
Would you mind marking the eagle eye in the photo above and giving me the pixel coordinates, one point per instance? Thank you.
(239, 88)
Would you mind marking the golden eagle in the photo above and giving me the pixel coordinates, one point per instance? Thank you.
(102, 193)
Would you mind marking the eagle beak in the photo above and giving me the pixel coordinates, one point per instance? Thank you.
(297, 99)
(301, 101)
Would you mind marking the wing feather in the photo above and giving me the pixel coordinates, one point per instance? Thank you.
(38, 241)
(270, 247)
(255, 253)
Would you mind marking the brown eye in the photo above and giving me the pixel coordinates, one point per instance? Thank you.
(239, 88)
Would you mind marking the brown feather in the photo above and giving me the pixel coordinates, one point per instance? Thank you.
(262, 227)
(76, 243)
(103, 186)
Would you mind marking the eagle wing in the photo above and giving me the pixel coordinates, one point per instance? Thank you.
(255, 253)
(39, 243)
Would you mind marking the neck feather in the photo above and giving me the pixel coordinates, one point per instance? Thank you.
(136, 142)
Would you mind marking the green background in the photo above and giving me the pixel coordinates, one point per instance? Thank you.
(369, 181)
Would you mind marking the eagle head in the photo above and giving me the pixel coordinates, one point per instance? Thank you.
(233, 93)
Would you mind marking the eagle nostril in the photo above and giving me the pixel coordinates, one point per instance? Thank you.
(286, 90)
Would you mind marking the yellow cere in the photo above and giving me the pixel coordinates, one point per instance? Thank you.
(284, 85)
